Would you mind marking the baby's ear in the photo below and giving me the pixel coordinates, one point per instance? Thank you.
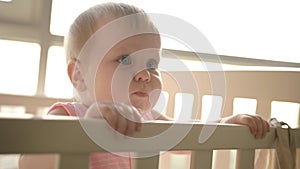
(76, 76)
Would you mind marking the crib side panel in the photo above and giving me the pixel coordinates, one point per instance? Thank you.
(263, 86)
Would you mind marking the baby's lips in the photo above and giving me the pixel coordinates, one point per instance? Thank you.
(138, 126)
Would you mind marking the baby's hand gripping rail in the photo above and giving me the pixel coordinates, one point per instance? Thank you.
(66, 136)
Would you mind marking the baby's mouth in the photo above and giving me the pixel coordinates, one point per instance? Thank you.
(141, 94)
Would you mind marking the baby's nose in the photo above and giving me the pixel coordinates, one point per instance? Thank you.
(143, 76)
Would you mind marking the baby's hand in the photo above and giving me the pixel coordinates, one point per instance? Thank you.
(258, 126)
(123, 118)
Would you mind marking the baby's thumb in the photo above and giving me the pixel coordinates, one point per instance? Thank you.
(93, 111)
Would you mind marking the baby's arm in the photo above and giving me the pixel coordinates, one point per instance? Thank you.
(257, 125)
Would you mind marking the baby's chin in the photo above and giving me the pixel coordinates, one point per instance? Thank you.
(142, 107)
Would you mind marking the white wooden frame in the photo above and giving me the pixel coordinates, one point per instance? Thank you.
(37, 136)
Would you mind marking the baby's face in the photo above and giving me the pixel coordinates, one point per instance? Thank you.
(129, 72)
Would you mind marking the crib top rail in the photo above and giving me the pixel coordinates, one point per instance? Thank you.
(37, 135)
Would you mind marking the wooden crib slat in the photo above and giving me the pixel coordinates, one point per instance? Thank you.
(147, 163)
(74, 161)
(245, 158)
(201, 159)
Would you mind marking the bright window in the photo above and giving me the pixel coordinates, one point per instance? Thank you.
(19, 67)
(287, 112)
(244, 105)
(57, 81)
(211, 108)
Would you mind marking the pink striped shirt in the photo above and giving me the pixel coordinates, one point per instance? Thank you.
(100, 160)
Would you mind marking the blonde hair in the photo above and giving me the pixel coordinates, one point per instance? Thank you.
(85, 25)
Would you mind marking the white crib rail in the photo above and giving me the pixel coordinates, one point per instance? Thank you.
(264, 86)
(36, 135)
(32, 104)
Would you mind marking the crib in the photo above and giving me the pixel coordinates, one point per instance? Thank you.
(214, 152)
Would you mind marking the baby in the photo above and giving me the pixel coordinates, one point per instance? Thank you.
(113, 52)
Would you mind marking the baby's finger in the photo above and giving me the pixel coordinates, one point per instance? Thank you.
(128, 112)
(260, 127)
(138, 119)
(122, 125)
(138, 126)
(130, 128)
(251, 123)
(266, 127)
(110, 116)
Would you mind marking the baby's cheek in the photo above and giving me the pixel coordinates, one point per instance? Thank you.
(157, 82)
(102, 91)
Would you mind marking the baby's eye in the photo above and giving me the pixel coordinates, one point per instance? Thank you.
(151, 63)
(125, 60)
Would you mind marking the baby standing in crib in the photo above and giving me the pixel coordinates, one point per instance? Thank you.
(107, 45)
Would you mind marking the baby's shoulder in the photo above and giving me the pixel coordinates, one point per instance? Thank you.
(68, 109)
(58, 111)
